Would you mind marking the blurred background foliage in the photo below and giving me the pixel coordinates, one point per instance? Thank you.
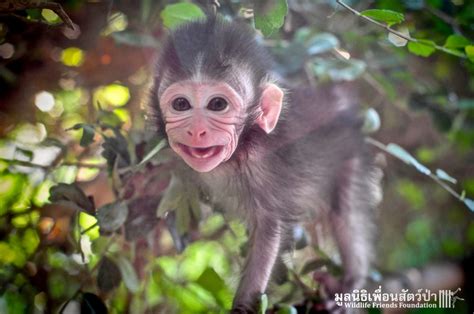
(91, 216)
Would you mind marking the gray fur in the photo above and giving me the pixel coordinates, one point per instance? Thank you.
(315, 160)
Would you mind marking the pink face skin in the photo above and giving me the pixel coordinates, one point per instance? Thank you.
(204, 138)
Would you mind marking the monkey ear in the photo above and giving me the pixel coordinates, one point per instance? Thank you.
(271, 103)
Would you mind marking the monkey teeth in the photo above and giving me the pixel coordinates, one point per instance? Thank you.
(202, 152)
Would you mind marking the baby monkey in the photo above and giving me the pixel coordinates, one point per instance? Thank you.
(270, 154)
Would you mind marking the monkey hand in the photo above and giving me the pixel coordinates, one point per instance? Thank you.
(332, 285)
(243, 309)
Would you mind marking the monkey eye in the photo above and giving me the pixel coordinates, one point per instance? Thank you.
(217, 104)
(181, 104)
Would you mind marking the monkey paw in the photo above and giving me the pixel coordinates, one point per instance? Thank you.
(332, 285)
(242, 309)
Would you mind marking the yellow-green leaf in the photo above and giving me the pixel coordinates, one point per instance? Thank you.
(388, 16)
(423, 48)
(176, 14)
(270, 15)
(470, 52)
(456, 41)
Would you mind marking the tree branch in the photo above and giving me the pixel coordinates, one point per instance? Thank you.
(383, 147)
(401, 35)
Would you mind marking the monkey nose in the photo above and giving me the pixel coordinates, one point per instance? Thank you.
(197, 133)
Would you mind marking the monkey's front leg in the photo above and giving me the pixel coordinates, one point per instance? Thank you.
(264, 246)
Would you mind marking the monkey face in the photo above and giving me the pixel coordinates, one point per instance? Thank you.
(203, 122)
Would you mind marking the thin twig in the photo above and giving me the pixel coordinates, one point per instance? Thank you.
(406, 37)
(383, 147)
(89, 228)
(391, 30)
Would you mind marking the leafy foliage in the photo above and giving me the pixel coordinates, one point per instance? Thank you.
(269, 15)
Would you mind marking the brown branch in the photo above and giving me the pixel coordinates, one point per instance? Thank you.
(440, 182)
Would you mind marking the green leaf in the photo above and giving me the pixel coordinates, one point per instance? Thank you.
(116, 150)
(172, 196)
(315, 264)
(418, 230)
(108, 119)
(411, 193)
(184, 201)
(287, 309)
(194, 203)
(13, 302)
(321, 43)
(302, 35)
(270, 15)
(466, 103)
(470, 52)
(108, 276)
(422, 47)
(291, 58)
(91, 303)
(135, 39)
(112, 216)
(456, 41)
(338, 70)
(128, 273)
(469, 203)
(263, 304)
(34, 14)
(440, 173)
(71, 195)
(50, 16)
(183, 217)
(211, 281)
(88, 133)
(177, 14)
(388, 16)
(405, 156)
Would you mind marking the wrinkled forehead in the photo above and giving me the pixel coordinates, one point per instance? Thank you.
(236, 74)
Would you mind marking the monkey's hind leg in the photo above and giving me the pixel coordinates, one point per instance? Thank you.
(352, 220)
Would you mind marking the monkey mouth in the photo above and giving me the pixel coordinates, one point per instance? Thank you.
(201, 152)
